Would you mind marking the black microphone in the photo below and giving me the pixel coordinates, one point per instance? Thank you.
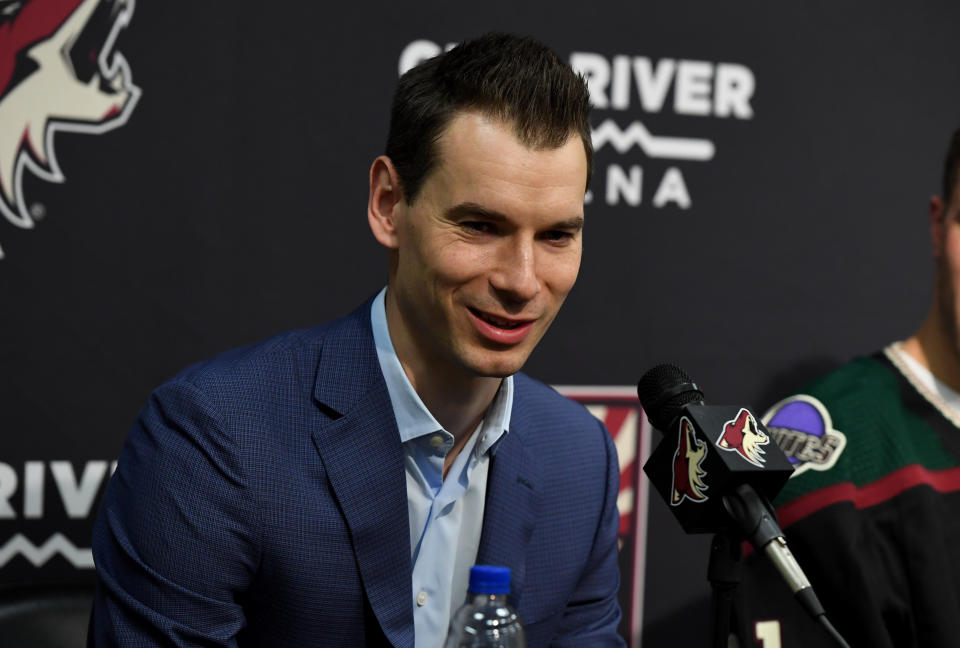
(718, 469)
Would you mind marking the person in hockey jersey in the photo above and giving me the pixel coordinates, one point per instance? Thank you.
(873, 510)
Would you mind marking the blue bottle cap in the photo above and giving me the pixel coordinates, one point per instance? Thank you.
(486, 579)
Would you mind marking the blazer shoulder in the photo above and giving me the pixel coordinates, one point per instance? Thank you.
(247, 370)
(554, 426)
(545, 401)
(270, 371)
(251, 362)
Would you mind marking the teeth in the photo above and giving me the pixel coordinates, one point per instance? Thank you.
(504, 324)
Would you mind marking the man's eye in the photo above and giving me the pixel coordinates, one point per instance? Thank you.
(477, 226)
(558, 236)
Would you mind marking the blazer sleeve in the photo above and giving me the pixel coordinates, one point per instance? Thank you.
(175, 542)
(593, 611)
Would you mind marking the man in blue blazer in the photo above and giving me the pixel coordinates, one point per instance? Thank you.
(331, 487)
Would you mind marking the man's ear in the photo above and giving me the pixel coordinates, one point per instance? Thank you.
(938, 226)
(385, 203)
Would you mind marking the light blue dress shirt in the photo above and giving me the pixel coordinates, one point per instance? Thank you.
(446, 516)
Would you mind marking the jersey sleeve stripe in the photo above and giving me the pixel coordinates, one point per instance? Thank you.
(881, 490)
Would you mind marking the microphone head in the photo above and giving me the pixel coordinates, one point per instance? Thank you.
(664, 391)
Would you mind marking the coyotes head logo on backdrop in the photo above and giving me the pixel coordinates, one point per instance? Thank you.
(58, 72)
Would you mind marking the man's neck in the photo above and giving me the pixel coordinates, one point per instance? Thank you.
(459, 406)
(457, 399)
(931, 346)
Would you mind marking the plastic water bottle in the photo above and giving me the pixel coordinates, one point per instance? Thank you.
(486, 620)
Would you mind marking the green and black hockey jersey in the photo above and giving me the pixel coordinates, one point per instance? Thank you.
(872, 513)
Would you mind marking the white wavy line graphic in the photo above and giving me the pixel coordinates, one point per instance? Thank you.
(654, 146)
(80, 557)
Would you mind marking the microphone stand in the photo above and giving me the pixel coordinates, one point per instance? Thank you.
(723, 572)
(755, 521)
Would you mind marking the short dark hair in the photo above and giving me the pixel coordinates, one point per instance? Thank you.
(516, 79)
(951, 168)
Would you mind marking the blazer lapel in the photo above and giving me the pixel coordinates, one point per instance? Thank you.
(362, 454)
(510, 512)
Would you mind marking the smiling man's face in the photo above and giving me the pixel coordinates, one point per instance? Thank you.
(488, 250)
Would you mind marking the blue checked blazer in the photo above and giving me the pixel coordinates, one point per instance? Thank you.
(260, 500)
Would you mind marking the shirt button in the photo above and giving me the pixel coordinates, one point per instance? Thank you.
(421, 598)
(436, 441)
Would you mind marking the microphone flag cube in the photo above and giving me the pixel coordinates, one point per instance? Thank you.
(709, 451)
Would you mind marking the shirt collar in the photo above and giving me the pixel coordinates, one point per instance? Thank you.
(413, 418)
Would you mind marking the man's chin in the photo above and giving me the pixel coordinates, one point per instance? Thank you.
(497, 365)
(497, 372)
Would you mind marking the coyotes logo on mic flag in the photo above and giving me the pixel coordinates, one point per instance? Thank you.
(706, 454)
(741, 435)
(688, 472)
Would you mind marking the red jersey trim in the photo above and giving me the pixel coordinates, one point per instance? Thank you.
(885, 488)
(943, 481)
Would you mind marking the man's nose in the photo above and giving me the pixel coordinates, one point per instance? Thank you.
(515, 276)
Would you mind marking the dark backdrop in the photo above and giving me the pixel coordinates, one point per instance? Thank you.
(229, 205)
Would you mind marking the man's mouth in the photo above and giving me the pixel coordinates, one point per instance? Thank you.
(499, 322)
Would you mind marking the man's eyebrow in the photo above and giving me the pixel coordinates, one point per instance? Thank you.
(474, 210)
(575, 223)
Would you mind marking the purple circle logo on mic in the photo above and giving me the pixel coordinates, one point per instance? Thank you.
(803, 429)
